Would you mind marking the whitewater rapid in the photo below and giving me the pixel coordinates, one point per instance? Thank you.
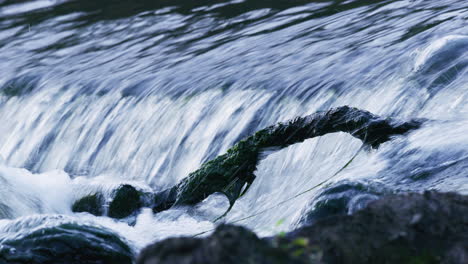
(90, 103)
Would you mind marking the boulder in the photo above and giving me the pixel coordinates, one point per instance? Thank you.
(93, 204)
(126, 200)
(228, 244)
(341, 198)
(408, 228)
(66, 243)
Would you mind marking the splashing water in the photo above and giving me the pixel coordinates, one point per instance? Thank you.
(96, 95)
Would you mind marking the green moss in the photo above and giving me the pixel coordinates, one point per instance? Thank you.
(92, 204)
(126, 201)
(229, 172)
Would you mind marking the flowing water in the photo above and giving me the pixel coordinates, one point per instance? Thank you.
(99, 93)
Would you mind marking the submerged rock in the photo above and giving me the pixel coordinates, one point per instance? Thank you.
(228, 244)
(342, 198)
(164, 199)
(124, 201)
(233, 173)
(93, 204)
(411, 228)
(66, 243)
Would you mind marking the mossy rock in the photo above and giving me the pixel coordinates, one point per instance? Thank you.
(233, 172)
(93, 204)
(164, 199)
(126, 200)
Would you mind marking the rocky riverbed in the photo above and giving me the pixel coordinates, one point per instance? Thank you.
(410, 228)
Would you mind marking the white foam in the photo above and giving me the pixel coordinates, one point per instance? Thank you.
(26, 193)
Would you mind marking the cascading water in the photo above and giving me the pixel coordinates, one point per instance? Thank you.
(99, 94)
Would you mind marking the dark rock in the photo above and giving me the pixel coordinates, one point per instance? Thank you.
(411, 228)
(67, 243)
(342, 198)
(93, 204)
(233, 173)
(126, 200)
(228, 244)
(164, 199)
(429, 228)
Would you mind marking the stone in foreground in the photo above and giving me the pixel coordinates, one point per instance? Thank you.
(410, 228)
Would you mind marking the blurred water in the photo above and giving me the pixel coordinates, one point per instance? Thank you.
(99, 93)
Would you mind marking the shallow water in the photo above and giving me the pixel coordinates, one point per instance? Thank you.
(95, 95)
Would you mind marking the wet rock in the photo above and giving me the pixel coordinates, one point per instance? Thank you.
(233, 173)
(411, 228)
(342, 198)
(126, 200)
(93, 204)
(164, 199)
(228, 244)
(66, 243)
